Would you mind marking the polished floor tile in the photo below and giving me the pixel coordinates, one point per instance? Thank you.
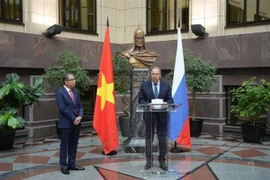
(211, 157)
(249, 153)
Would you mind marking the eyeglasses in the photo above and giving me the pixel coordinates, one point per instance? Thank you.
(73, 79)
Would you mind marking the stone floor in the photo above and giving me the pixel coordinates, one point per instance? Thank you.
(212, 157)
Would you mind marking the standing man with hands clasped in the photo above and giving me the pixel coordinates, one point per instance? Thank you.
(155, 89)
(69, 124)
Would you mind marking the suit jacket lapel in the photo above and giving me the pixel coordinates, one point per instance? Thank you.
(151, 92)
(67, 95)
(161, 87)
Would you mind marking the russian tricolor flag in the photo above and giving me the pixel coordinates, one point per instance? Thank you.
(179, 130)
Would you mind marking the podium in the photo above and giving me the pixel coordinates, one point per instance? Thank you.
(163, 107)
(156, 114)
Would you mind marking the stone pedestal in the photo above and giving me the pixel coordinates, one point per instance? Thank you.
(136, 140)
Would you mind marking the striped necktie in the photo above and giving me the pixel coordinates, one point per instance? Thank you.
(72, 96)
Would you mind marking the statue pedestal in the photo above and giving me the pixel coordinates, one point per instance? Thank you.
(136, 140)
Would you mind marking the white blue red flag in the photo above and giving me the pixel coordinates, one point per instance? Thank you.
(179, 130)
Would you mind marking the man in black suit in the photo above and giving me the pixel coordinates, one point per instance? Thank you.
(155, 89)
(69, 124)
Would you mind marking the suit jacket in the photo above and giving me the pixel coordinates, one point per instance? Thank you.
(147, 94)
(68, 111)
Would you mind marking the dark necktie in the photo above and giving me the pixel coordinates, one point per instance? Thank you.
(155, 90)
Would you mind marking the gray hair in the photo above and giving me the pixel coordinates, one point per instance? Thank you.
(65, 76)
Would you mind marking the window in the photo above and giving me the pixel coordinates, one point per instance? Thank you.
(78, 14)
(247, 11)
(163, 15)
(11, 10)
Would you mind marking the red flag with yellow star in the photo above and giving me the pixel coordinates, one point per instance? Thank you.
(105, 110)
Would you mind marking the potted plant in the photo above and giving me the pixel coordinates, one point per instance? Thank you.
(68, 62)
(251, 100)
(200, 77)
(15, 94)
(122, 73)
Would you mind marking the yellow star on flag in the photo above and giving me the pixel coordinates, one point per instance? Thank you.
(105, 91)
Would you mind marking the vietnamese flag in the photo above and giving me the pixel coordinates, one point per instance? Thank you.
(105, 110)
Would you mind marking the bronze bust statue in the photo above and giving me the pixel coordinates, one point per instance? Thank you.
(138, 55)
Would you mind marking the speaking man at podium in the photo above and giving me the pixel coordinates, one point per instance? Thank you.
(155, 89)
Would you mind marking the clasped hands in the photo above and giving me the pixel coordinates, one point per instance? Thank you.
(77, 120)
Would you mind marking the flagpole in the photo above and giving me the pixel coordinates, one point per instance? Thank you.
(113, 152)
(104, 121)
(175, 149)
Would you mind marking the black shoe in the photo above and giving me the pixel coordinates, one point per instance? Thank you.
(163, 166)
(77, 168)
(148, 165)
(65, 171)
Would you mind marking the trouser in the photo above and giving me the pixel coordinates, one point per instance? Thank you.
(153, 120)
(69, 143)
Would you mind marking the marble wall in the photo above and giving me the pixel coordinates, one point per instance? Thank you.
(236, 57)
(20, 50)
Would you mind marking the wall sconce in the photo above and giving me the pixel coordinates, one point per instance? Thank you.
(199, 30)
(53, 30)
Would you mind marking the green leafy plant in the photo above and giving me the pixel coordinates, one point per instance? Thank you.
(170, 74)
(9, 119)
(68, 62)
(122, 73)
(14, 94)
(251, 100)
(200, 76)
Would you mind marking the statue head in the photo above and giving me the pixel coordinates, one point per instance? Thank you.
(139, 38)
(138, 55)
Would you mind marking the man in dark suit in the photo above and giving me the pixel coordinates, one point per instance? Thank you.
(155, 89)
(69, 124)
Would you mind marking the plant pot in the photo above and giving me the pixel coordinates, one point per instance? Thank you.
(124, 122)
(7, 139)
(196, 127)
(252, 133)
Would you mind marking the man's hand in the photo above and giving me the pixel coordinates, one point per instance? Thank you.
(77, 120)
